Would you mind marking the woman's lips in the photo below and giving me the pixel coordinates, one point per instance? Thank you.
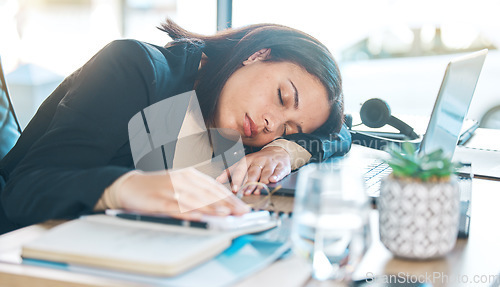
(249, 127)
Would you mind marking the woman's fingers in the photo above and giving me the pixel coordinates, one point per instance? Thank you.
(226, 198)
(254, 172)
(239, 173)
(267, 171)
(178, 192)
(267, 165)
(209, 196)
(279, 173)
(236, 174)
(257, 173)
(224, 176)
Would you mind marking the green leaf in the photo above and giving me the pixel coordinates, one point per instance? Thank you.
(425, 175)
(406, 163)
(408, 148)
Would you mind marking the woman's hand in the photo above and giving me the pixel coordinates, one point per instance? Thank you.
(185, 193)
(270, 164)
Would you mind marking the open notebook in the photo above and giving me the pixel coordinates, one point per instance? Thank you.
(132, 246)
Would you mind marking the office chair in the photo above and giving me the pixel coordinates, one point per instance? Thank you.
(10, 129)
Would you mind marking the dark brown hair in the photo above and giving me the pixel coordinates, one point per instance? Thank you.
(227, 50)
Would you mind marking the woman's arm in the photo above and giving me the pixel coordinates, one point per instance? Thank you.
(66, 170)
(325, 146)
(275, 161)
(185, 193)
(85, 149)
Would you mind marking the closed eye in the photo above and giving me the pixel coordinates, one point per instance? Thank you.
(280, 97)
(283, 104)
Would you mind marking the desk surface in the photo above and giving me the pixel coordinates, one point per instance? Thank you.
(473, 261)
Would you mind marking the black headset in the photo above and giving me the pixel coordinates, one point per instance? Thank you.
(376, 113)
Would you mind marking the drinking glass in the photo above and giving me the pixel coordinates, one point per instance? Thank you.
(330, 219)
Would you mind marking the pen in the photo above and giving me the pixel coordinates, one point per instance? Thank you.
(207, 221)
(156, 219)
(464, 137)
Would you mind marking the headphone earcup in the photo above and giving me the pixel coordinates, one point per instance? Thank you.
(375, 113)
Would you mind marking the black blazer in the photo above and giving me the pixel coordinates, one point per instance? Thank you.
(77, 144)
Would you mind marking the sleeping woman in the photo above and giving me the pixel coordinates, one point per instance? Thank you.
(278, 88)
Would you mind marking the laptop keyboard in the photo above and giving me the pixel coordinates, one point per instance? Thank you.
(374, 173)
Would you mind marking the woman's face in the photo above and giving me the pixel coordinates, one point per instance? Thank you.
(265, 100)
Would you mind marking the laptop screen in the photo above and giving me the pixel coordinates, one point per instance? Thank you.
(452, 103)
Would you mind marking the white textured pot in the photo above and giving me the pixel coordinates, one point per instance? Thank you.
(418, 220)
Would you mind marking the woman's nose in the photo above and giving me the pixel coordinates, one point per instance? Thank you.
(269, 122)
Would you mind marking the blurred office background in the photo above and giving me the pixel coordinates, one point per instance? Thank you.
(396, 50)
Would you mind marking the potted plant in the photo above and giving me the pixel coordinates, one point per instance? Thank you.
(419, 204)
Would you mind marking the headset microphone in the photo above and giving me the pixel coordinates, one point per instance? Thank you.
(376, 113)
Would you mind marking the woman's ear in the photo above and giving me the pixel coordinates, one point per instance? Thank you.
(262, 54)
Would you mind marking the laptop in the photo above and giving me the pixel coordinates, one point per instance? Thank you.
(444, 127)
(10, 130)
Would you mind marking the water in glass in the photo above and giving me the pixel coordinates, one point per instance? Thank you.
(330, 220)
